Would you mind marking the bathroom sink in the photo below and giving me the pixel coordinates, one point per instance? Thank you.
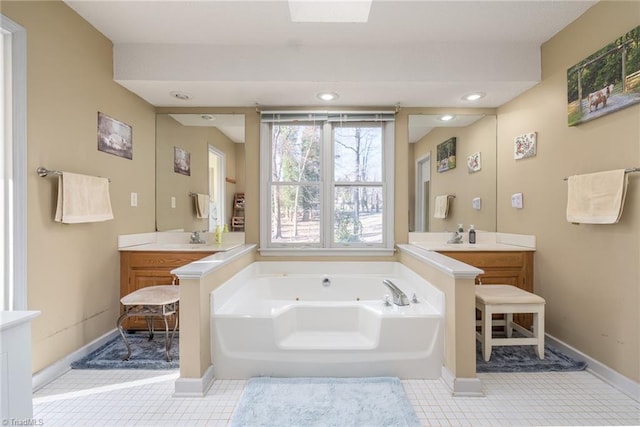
(185, 245)
(463, 245)
(198, 246)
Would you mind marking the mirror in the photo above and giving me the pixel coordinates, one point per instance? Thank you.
(455, 157)
(199, 154)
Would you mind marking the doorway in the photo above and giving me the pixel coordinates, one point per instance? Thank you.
(423, 181)
(217, 198)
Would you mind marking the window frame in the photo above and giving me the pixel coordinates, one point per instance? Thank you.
(327, 183)
(14, 203)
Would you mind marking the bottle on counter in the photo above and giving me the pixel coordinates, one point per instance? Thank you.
(472, 234)
(217, 235)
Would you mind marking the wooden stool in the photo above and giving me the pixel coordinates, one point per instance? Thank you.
(507, 299)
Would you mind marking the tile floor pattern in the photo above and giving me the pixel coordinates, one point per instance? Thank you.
(143, 398)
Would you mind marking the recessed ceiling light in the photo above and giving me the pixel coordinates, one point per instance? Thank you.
(208, 117)
(328, 96)
(473, 96)
(180, 95)
(447, 117)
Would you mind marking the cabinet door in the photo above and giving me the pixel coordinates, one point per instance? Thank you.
(141, 278)
(502, 268)
(142, 269)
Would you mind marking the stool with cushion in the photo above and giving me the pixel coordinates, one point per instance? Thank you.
(507, 299)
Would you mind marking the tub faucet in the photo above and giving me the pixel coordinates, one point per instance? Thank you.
(326, 282)
(399, 297)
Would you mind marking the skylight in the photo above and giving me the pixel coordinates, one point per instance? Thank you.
(330, 11)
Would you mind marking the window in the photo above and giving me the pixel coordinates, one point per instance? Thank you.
(327, 180)
(13, 188)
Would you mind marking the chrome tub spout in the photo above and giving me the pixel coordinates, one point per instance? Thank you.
(399, 297)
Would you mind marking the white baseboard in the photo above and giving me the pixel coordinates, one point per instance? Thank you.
(600, 370)
(468, 387)
(53, 371)
(194, 387)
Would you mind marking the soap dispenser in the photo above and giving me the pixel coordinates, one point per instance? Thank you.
(472, 234)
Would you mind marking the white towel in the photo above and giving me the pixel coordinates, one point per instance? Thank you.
(83, 198)
(202, 206)
(596, 198)
(441, 209)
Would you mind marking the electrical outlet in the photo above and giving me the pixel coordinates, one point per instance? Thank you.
(173, 202)
(516, 201)
(134, 200)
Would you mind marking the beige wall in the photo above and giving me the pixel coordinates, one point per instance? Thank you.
(195, 140)
(73, 270)
(478, 137)
(589, 274)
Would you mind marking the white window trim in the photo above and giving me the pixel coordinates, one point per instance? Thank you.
(386, 248)
(19, 161)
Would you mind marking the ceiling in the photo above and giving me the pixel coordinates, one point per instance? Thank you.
(418, 53)
(422, 124)
(232, 125)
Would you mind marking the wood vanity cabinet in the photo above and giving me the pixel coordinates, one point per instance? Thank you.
(139, 269)
(504, 268)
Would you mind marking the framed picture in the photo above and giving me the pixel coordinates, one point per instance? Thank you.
(181, 161)
(524, 146)
(474, 163)
(606, 81)
(114, 137)
(446, 155)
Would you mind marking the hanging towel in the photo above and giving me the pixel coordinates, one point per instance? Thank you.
(83, 198)
(596, 198)
(202, 206)
(441, 209)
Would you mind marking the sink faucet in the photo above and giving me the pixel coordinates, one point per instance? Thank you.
(455, 238)
(399, 297)
(195, 238)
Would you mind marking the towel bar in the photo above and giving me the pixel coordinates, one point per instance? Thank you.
(628, 170)
(43, 172)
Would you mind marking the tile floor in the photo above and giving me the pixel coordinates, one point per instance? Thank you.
(143, 398)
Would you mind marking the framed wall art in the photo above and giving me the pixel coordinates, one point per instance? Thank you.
(114, 137)
(446, 155)
(181, 161)
(474, 163)
(524, 146)
(606, 81)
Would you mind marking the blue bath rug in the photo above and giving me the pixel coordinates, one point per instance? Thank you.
(522, 358)
(298, 402)
(145, 354)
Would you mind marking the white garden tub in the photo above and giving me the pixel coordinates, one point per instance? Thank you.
(278, 319)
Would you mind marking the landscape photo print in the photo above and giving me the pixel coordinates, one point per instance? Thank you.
(606, 81)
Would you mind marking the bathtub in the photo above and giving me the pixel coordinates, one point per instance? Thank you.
(278, 319)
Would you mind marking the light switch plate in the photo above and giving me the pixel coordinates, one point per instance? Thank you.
(173, 202)
(516, 201)
(134, 200)
(476, 203)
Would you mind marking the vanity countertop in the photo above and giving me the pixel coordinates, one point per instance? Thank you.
(182, 247)
(466, 247)
(486, 241)
(178, 242)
